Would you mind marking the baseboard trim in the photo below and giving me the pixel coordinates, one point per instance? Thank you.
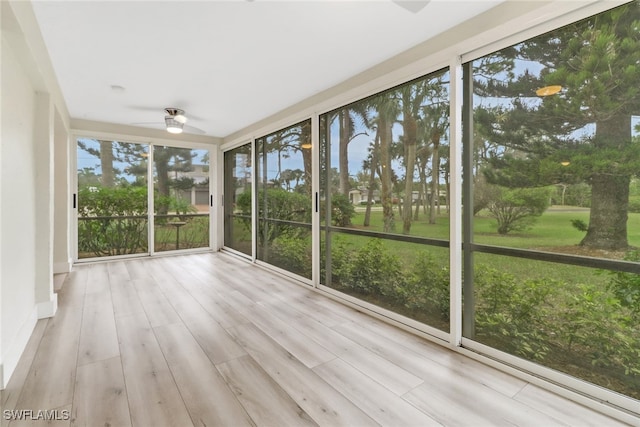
(11, 358)
(48, 308)
(62, 267)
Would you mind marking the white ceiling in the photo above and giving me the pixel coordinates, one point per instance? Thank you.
(228, 64)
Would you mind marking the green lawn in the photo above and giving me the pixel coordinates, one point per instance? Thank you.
(552, 232)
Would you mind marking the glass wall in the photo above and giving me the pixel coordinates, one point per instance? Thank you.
(181, 198)
(552, 166)
(237, 199)
(384, 201)
(283, 202)
(112, 198)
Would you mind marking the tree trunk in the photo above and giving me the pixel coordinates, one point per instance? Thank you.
(305, 138)
(608, 216)
(106, 164)
(344, 118)
(435, 177)
(609, 191)
(372, 180)
(162, 175)
(385, 173)
(410, 127)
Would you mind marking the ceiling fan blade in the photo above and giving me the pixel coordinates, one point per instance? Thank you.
(193, 129)
(414, 6)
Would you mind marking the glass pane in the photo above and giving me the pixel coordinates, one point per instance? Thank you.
(566, 317)
(384, 165)
(237, 199)
(181, 198)
(283, 174)
(112, 198)
(557, 139)
(410, 279)
(556, 160)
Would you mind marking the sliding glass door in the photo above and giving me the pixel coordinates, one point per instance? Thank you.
(237, 199)
(181, 198)
(283, 200)
(112, 198)
(113, 204)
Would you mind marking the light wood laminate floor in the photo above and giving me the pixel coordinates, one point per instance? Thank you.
(209, 340)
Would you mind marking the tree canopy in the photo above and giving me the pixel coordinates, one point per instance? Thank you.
(560, 107)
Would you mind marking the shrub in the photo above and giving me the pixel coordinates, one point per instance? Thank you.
(626, 286)
(292, 253)
(428, 287)
(513, 313)
(593, 323)
(276, 204)
(579, 225)
(371, 270)
(517, 208)
(113, 231)
(342, 210)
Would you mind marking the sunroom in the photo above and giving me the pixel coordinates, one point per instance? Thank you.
(467, 173)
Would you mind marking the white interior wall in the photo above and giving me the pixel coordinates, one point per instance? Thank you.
(17, 195)
(30, 100)
(62, 197)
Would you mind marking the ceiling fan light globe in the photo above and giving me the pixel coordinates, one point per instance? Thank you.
(180, 118)
(174, 130)
(173, 126)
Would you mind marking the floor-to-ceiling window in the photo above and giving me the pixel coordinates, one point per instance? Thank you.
(384, 200)
(551, 204)
(181, 198)
(112, 198)
(237, 199)
(552, 185)
(113, 204)
(283, 199)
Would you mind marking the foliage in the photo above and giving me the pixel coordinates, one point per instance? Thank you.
(173, 204)
(579, 225)
(626, 286)
(593, 323)
(371, 270)
(279, 205)
(483, 193)
(428, 287)
(581, 135)
(516, 209)
(578, 195)
(514, 312)
(293, 253)
(634, 204)
(342, 210)
(112, 220)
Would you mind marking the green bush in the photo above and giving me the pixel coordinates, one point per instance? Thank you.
(428, 287)
(292, 253)
(626, 286)
(276, 204)
(512, 312)
(342, 210)
(516, 209)
(593, 323)
(106, 226)
(371, 269)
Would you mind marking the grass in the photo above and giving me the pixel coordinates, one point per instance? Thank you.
(552, 232)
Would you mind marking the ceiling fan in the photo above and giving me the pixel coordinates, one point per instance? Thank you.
(174, 122)
(414, 6)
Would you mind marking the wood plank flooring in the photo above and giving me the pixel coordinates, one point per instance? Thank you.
(209, 340)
